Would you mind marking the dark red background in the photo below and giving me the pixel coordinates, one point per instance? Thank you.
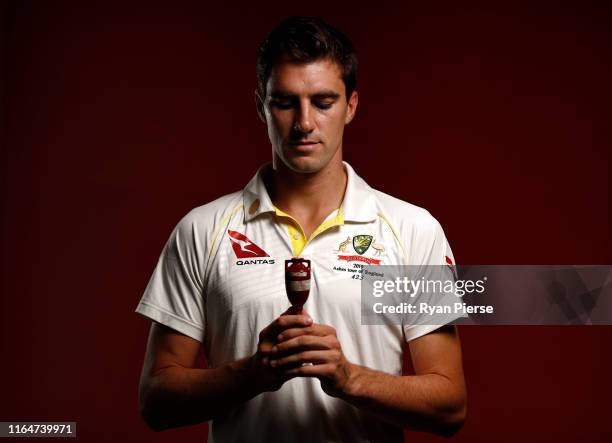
(119, 119)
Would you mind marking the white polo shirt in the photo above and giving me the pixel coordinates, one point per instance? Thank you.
(220, 280)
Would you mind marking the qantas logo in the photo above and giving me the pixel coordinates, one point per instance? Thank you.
(243, 247)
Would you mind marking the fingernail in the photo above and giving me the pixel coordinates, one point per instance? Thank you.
(273, 363)
(309, 321)
(280, 337)
(274, 349)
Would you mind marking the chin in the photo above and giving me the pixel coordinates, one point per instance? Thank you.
(305, 168)
(304, 165)
(305, 162)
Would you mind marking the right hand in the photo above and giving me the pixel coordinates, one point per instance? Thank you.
(266, 377)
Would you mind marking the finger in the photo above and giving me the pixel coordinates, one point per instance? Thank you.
(305, 312)
(319, 371)
(291, 321)
(303, 343)
(291, 333)
(315, 329)
(284, 322)
(314, 357)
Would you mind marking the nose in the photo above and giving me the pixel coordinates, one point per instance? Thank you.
(303, 119)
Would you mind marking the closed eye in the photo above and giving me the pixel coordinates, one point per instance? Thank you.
(323, 105)
(281, 104)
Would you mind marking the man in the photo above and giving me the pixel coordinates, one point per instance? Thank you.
(219, 283)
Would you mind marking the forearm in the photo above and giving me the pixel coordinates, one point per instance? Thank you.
(178, 396)
(429, 402)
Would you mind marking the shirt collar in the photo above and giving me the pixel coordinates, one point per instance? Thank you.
(255, 196)
(358, 205)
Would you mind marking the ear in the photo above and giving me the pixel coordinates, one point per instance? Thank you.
(351, 107)
(259, 104)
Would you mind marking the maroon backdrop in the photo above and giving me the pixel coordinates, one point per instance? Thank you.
(119, 119)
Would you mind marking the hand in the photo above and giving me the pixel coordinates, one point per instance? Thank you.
(266, 376)
(314, 351)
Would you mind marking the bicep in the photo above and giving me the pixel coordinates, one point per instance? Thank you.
(167, 347)
(438, 352)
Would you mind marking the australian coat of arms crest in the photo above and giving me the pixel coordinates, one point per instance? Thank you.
(361, 243)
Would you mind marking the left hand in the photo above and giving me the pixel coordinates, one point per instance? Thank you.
(314, 351)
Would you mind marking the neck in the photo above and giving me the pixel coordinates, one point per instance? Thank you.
(309, 198)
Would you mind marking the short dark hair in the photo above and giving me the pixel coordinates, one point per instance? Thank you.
(305, 40)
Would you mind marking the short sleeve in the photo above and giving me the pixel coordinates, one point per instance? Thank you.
(430, 247)
(174, 295)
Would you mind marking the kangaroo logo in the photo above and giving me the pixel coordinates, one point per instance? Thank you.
(243, 247)
(344, 244)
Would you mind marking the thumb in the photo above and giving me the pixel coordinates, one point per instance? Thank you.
(305, 312)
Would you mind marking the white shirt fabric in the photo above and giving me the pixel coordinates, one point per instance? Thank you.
(202, 289)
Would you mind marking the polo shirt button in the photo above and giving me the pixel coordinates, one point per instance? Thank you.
(296, 236)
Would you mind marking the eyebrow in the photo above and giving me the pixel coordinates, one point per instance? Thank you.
(319, 95)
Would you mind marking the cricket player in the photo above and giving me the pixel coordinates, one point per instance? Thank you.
(219, 285)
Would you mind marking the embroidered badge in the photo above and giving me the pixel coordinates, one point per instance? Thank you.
(361, 243)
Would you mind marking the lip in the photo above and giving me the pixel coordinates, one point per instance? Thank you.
(303, 148)
(302, 143)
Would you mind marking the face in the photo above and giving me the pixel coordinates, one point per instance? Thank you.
(305, 109)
